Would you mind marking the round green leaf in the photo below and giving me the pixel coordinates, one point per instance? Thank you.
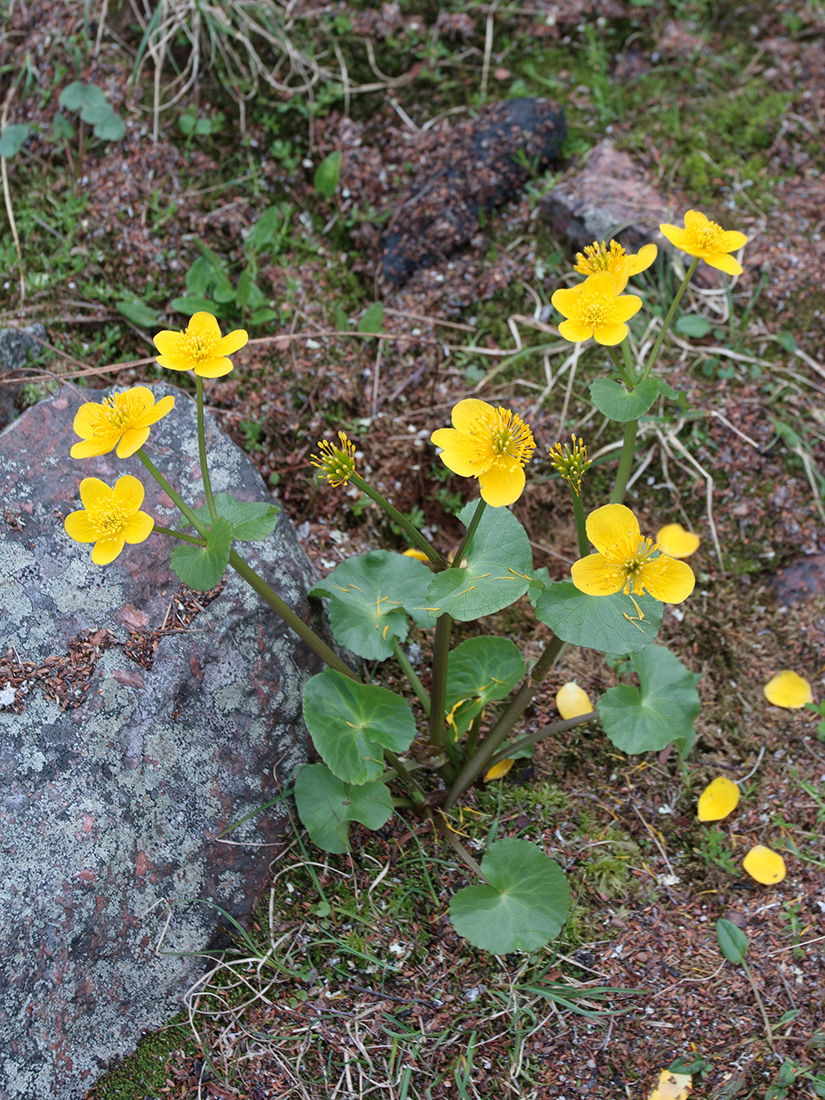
(251, 519)
(662, 711)
(137, 312)
(88, 99)
(733, 942)
(12, 138)
(524, 906)
(373, 319)
(607, 623)
(190, 305)
(201, 567)
(326, 806)
(372, 597)
(691, 324)
(479, 671)
(616, 403)
(351, 723)
(499, 568)
(110, 128)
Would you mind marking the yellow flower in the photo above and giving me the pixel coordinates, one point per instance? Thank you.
(121, 421)
(493, 445)
(572, 701)
(337, 464)
(676, 542)
(707, 240)
(788, 689)
(718, 799)
(613, 258)
(764, 865)
(596, 308)
(110, 517)
(200, 347)
(624, 561)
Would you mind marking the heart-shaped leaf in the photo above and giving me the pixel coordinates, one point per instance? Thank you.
(616, 403)
(499, 568)
(479, 671)
(372, 597)
(12, 138)
(250, 519)
(524, 906)
(201, 567)
(326, 806)
(610, 624)
(351, 723)
(662, 711)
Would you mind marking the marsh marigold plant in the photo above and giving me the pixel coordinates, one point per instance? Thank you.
(122, 420)
(596, 308)
(491, 444)
(708, 241)
(110, 517)
(614, 259)
(200, 347)
(627, 562)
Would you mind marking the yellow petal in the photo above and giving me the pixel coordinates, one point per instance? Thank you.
(718, 799)
(764, 865)
(174, 362)
(502, 484)
(467, 412)
(91, 448)
(131, 440)
(419, 555)
(153, 413)
(732, 240)
(676, 542)
(624, 307)
(724, 263)
(459, 452)
(610, 525)
(672, 1086)
(128, 492)
(169, 343)
(79, 527)
(667, 580)
(595, 576)
(204, 326)
(678, 237)
(575, 331)
(566, 300)
(609, 335)
(94, 493)
(212, 368)
(232, 342)
(85, 419)
(602, 284)
(643, 259)
(138, 527)
(499, 770)
(107, 550)
(572, 701)
(788, 689)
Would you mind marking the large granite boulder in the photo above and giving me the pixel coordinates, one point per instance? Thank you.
(138, 720)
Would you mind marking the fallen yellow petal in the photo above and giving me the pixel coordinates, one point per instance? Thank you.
(764, 865)
(717, 800)
(788, 689)
(499, 770)
(419, 555)
(676, 542)
(573, 701)
(672, 1086)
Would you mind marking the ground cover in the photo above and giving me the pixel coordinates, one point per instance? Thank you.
(355, 979)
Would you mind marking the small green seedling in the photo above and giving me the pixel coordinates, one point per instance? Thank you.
(733, 943)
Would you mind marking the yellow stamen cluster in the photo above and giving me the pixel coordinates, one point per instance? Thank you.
(109, 521)
(337, 464)
(506, 435)
(626, 561)
(570, 462)
(599, 257)
(199, 345)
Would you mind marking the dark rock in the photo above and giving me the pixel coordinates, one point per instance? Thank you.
(16, 347)
(800, 580)
(127, 748)
(608, 197)
(477, 167)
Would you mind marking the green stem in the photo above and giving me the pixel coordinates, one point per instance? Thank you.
(413, 535)
(539, 735)
(468, 537)
(625, 461)
(508, 718)
(581, 528)
(629, 365)
(654, 351)
(182, 506)
(620, 368)
(412, 785)
(765, 1020)
(293, 621)
(412, 676)
(438, 689)
(472, 735)
(207, 485)
(177, 535)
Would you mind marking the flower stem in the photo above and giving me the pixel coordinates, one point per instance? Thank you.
(625, 461)
(581, 528)
(177, 535)
(540, 734)
(438, 688)
(629, 365)
(182, 506)
(507, 719)
(755, 988)
(413, 535)
(411, 675)
(207, 484)
(654, 351)
(412, 785)
(293, 621)
(468, 537)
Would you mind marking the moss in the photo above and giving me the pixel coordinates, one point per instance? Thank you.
(142, 1074)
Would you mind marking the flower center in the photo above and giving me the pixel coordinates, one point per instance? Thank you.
(506, 435)
(598, 257)
(628, 559)
(709, 236)
(109, 521)
(116, 413)
(199, 345)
